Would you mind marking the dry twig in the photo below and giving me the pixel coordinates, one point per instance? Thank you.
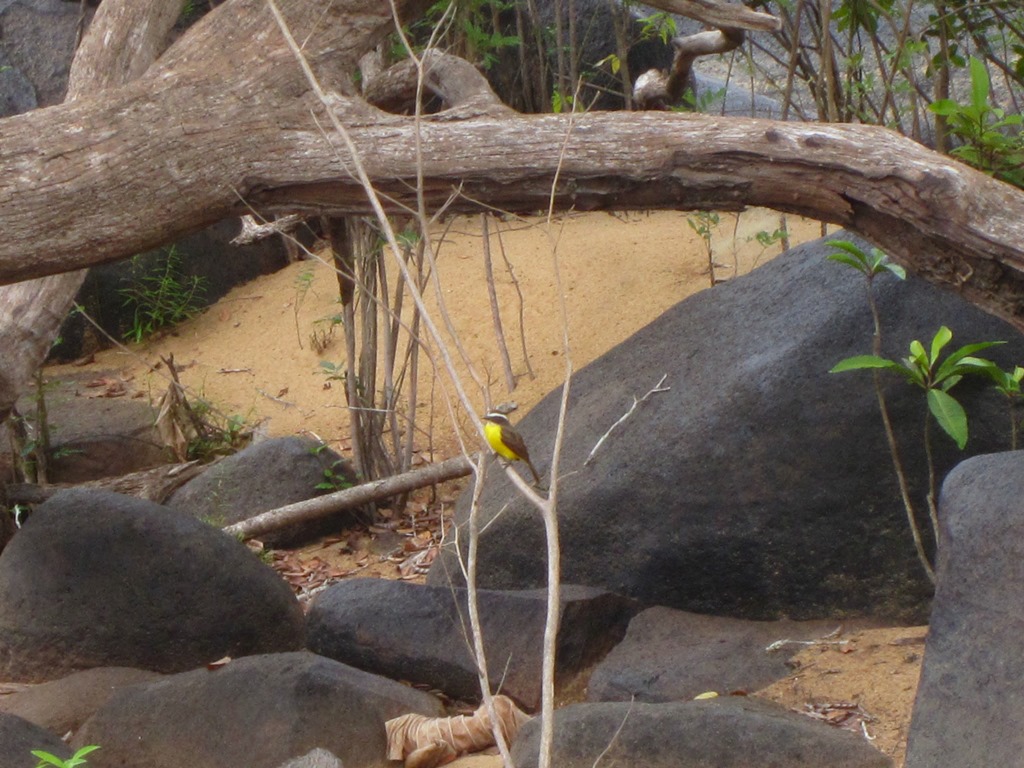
(636, 404)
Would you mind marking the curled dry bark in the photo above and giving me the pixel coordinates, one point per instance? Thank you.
(427, 742)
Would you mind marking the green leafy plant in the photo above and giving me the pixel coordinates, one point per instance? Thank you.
(333, 480)
(992, 140)
(162, 296)
(215, 434)
(704, 224)
(562, 102)
(660, 25)
(707, 99)
(45, 758)
(925, 368)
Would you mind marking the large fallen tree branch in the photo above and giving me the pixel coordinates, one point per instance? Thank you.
(350, 498)
(942, 219)
(199, 138)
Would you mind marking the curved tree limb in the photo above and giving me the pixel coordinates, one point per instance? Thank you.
(940, 218)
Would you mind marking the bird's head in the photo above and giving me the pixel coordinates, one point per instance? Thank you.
(497, 418)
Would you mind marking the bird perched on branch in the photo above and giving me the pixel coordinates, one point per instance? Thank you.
(506, 442)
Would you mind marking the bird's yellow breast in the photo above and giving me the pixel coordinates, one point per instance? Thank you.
(492, 432)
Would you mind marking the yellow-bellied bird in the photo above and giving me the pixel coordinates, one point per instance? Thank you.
(506, 442)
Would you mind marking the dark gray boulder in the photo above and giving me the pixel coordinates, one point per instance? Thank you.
(38, 44)
(727, 732)
(98, 579)
(16, 92)
(257, 712)
(18, 737)
(670, 655)
(971, 693)
(421, 634)
(759, 486)
(262, 477)
(63, 705)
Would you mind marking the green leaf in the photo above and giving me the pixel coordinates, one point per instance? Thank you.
(950, 415)
(918, 357)
(846, 259)
(979, 85)
(45, 758)
(862, 362)
(896, 269)
(942, 337)
(969, 349)
(847, 246)
(962, 361)
(79, 757)
(944, 107)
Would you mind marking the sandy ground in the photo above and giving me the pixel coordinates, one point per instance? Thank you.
(253, 355)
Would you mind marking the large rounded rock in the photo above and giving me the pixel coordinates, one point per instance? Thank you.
(63, 705)
(759, 485)
(969, 700)
(99, 579)
(256, 712)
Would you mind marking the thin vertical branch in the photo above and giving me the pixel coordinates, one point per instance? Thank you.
(492, 295)
(828, 63)
(794, 53)
(890, 436)
(621, 16)
(476, 626)
(521, 304)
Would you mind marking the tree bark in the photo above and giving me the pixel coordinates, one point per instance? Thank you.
(170, 170)
(123, 40)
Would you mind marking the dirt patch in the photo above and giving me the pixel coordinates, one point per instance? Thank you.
(864, 681)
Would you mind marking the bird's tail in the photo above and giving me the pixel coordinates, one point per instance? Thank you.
(536, 477)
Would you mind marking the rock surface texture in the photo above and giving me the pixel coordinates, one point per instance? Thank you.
(971, 694)
(99, 579)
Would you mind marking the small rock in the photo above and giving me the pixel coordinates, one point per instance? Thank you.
(670, 655)
(18, 737)
(969, 699)
(265, 476)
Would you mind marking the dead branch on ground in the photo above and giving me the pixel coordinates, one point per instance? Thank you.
(350, 498)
